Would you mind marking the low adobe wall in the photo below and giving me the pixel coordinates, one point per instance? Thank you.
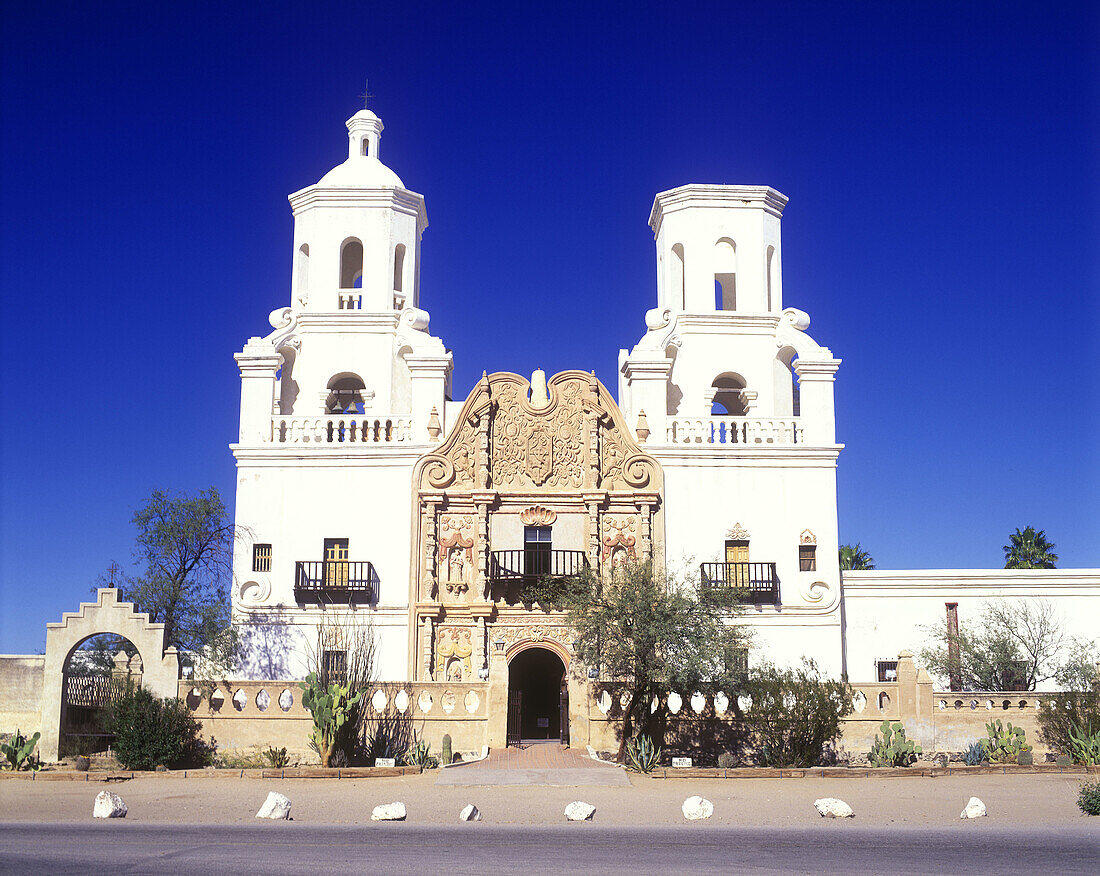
(21, 678)
(245, 714)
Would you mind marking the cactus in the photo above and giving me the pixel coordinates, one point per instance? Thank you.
(419, 754)
(19, 752)
(642, 755)
(891, 748)
(446, 756)
(1084, 745)
(1004, 744)
(332, 708)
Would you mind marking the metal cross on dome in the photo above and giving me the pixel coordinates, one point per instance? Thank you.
(366, 95)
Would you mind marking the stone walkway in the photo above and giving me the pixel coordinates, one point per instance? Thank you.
(536, 763)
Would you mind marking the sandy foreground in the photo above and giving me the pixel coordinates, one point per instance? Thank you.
(1026, 800)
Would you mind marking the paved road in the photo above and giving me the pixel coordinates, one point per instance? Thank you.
(276, 848)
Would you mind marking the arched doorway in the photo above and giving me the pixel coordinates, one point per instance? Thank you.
(538, 699)
(95, 673)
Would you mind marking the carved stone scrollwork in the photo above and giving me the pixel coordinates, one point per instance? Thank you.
(620, 535)
(510, 635)
(453, 651)
(807, 537)
(738, 533)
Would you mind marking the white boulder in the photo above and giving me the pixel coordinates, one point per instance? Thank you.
(469, 813)
(578, 810)
(275, 806)
(975, 808)
(697, 807)
(108, 805)
(831, 807)
(389, 812)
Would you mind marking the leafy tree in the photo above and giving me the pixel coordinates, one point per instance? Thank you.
(1014, 645)
(185, 550)
(652, 631)
(1028, 549)
(855, 558)
(1076, 706)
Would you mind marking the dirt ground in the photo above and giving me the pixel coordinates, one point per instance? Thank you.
(1031, 800)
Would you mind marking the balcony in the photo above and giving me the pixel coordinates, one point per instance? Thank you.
(343, 429)
(755, 583)
(338, 582)
(507, 567)
(734, 431)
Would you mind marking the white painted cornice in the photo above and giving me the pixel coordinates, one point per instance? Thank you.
(398, 200)
(972, 582)
(700, 195)
(747, 455)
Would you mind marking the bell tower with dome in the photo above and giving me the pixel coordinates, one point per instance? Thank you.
(338, 402)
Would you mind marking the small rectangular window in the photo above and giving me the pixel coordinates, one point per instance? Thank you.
(334, 666)
(886, 670)
(807, 558)
(261, 558)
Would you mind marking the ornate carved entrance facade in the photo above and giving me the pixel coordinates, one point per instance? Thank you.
(534, 480)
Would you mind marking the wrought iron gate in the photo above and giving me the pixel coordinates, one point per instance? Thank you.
(515, 717)
(563, 718)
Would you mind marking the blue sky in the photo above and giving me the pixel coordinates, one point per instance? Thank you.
(942, 231)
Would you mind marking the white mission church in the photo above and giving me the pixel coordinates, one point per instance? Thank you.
(363, 480)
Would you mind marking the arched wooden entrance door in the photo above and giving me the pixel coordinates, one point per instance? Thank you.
(538, 699)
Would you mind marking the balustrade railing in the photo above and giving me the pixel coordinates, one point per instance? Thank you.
(755, 583)
(733, 431)
(342, 429)
(520, 565)
(333, 581)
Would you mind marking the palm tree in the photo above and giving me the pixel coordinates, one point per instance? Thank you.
(855, 557)
(1029, 549)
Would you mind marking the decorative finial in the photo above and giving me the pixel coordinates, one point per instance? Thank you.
(366, 96)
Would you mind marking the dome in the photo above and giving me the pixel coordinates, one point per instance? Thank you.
(361, 172)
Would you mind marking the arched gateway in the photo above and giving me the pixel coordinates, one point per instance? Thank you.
(160, 666)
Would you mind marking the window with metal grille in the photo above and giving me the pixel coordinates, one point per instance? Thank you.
(737, 663)
(334, 666)
(807, 558)
(886, 670)
(261, 558)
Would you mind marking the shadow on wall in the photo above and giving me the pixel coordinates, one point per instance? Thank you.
(268, 641)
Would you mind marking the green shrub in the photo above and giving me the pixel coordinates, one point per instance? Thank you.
(19, 752)
(795, 713)
(1004, 744)
(276, 757)
(1084, 745)
(1060, 713)
(726, 761)
(1088, 800)
(151, 732)
(891, 748)
(419, 755)
(642, 755)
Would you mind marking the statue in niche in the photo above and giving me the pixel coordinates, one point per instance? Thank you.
(454, 670)
(458, 570)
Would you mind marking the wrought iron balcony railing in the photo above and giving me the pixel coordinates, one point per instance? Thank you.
(526, 565)
(334, 581)
(756, 583)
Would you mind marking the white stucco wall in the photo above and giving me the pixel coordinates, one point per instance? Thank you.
(885, 611)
